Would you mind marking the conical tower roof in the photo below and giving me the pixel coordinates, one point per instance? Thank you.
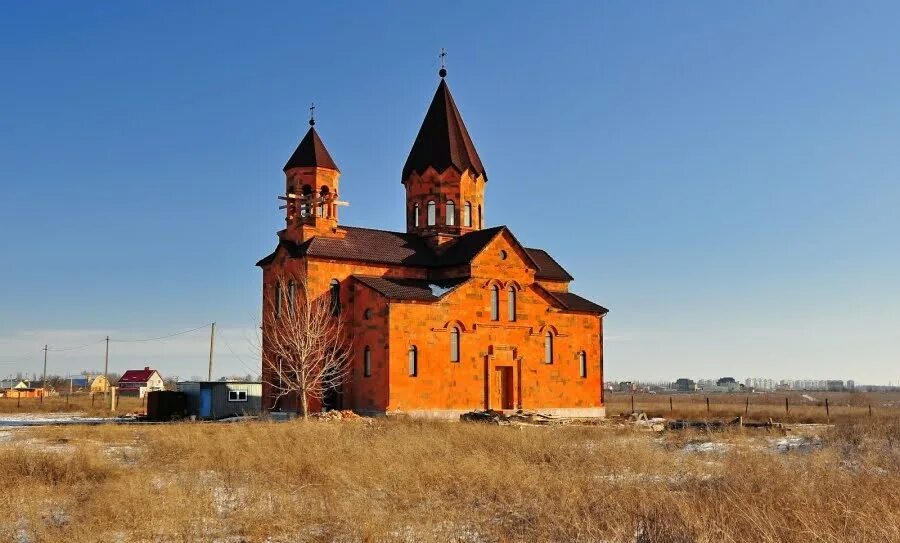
(443, 140)
(311, 153)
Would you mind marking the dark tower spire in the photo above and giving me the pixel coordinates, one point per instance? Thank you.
(443, 140)
(443, 175)
(311, 153)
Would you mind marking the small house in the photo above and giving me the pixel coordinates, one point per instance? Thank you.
(30, 389)
(100, 385)
(140, 382)
(221, 399)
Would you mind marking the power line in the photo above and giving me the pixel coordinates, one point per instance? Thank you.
(75, 348)
(158, 338)
(241, 360)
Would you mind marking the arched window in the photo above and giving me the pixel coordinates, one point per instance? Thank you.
(511, 303)
(292, 297)
(480, 219)
(305, 197)
(467, 214)
(432, 213)
(454, 344)
(367, 362)
(495, 303)
(582, 364)
(451, 213)
(548, 348)
(277, 299)
(415, 220)
(413, 361)
(323, 193)
(335, 297)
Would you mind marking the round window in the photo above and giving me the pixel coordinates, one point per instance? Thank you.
(367, 314)
(502, 254)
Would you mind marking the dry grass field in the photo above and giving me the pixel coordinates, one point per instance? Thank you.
(395, 480)
(76, 403)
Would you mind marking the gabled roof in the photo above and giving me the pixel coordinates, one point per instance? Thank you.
(443, 140)
(398, 248)
(364, 245)
(410, 289)
(573, 302)
(311, 153)
(468, 246)
(548, 268)
(137, 376)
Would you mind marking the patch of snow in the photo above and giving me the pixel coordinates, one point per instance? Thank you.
(5, 435)
(53, 419)
(796, 444)
(126, 454)
(706, 447)
(809, 398)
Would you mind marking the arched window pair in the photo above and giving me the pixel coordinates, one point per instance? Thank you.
(510, 303)
(415, 215)
(467, 215)
(449, 216)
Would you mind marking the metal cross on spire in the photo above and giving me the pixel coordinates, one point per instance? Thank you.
(312, 113)
(443, 70)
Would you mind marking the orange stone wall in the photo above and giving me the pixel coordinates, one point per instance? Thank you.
(484, 344)
(443, 386)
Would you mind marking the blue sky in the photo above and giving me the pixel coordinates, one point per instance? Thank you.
(723, 176)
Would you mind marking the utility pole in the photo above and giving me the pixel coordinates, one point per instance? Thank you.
(44, 383)
(212, 340)
(106, 369)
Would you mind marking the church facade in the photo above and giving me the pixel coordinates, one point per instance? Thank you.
(450, 315)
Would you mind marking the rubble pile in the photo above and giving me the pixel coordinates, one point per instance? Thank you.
(491, 416)
(344, 414)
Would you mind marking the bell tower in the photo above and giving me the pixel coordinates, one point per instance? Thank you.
(443, 175)
(311, 190)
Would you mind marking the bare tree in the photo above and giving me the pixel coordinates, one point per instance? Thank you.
(305, 345)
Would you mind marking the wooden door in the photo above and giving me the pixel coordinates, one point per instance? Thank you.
(502, 388)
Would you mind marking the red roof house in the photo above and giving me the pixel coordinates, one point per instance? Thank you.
(135, 380)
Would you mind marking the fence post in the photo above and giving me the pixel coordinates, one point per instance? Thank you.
(827, 411)
(707, 404)
(787, 409)
(671, 409)
(747, 406)
(92, 400)
(870, 410)
(18, 399)
(67, 400)
(632, 403)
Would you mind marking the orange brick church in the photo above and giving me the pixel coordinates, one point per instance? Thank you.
(450, 315)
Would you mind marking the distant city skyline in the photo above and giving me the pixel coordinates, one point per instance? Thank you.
(722, 177)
